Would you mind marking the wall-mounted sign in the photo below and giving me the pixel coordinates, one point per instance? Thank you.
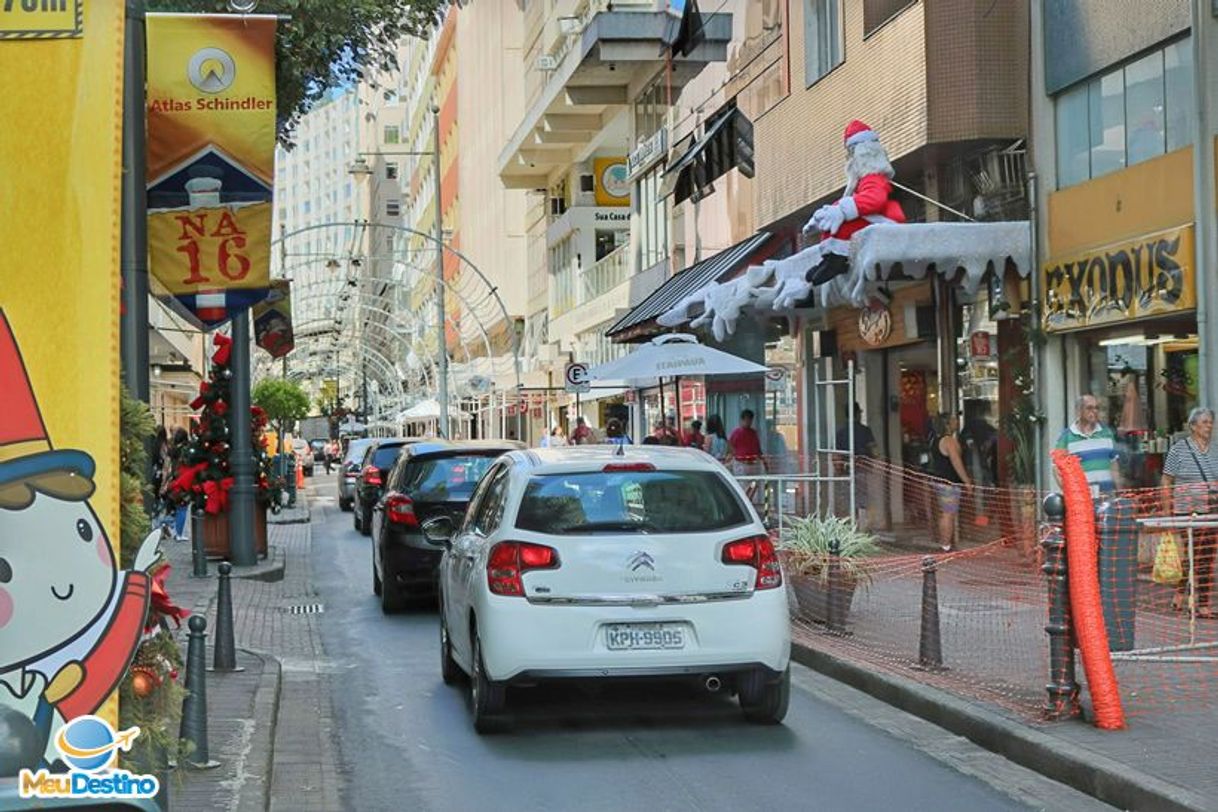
(875, 325)
(1147, 276)
(575, 378)
(42, 19)
(775, 379)
(981, 345)
(646, 154)
(612, 186)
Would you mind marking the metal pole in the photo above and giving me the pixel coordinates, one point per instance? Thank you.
(1203, 195)
(442, 345)
(930, 647)
(193, 728)
(134, 332)
(1035, 352)
(1062, 687)
(241, 504)
(224, 649)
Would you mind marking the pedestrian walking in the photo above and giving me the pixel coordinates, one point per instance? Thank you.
(715, 443)
(747, 461)
(161, 469)
(694, 438)
(1094, 444)
(1189, 476)
(582, 433)
(947, 465)
(615, 434)
(176, 507)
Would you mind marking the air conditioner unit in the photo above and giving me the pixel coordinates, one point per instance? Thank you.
(587, 183)
(547, 63)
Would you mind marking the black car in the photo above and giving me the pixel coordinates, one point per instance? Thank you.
(430, 479)
(370, 481)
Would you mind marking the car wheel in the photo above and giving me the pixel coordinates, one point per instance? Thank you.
(763, 699)
(365, 522)
(487, 697)
(391, 598)
(450, 672)
(376, 579)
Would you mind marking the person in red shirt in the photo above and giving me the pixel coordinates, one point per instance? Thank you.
(694, 438)
(582, 435)
(745, 445)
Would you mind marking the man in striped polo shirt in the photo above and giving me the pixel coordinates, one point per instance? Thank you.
(1095, 446)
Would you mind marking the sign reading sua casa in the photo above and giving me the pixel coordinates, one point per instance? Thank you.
(211, 146)
(1140, 278)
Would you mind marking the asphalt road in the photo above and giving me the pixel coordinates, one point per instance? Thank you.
(407, 742)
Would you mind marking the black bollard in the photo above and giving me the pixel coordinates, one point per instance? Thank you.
(194, 707)
(834, 616)
(930, 648)
(1062, 687)
(225, 647)
(198, 552)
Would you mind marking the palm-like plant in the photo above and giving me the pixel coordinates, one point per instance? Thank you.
(809, 544)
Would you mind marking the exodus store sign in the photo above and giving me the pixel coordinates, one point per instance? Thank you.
(1148, 276)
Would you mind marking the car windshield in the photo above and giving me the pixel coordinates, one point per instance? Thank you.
(385, 456)
(629, 502)
(445, 479)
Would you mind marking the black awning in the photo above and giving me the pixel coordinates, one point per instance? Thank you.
(726, 144)
(683, 283)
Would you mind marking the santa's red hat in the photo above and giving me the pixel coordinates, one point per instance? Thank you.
(857, 132)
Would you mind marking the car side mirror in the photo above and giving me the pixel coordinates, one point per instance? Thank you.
(438, 530)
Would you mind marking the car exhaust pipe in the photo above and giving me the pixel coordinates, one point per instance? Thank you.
(713, 684)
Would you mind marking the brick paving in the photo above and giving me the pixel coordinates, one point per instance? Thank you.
(278, 709)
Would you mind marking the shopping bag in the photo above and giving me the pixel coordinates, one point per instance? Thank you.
(1167, 561)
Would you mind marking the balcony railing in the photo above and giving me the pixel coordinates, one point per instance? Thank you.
(610, 271)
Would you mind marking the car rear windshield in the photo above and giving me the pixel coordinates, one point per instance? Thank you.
(629, 502)
(445, 479)
(385, 456)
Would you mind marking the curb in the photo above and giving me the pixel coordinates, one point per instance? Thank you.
(1097, 775)
(270, 572)
(266, 720)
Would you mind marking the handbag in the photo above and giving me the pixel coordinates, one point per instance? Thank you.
(1168, 569)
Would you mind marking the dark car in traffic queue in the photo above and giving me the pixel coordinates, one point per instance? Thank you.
(430, 479)
(370, 481)
(349, 470)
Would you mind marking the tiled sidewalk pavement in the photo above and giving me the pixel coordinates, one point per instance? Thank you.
(279, 705)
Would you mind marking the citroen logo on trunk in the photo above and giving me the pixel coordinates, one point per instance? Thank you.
(641, 559)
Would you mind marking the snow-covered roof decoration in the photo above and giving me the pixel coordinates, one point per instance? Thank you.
(874, 254)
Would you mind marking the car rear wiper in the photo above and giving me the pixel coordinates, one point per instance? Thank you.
(592, 527)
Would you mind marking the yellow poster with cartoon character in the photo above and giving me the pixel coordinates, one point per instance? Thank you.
(69, 618)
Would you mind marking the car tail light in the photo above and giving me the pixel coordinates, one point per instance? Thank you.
(400, 510)
(628, 466)
(372, 475)
(509, 560)
(757, 552)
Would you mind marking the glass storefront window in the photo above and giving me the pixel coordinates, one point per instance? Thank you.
(1146, 382)
(1073, 150)
(1178, 80)
(1106, 108)
(1144, 108)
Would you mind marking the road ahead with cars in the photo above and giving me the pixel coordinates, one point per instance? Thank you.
(407, 740)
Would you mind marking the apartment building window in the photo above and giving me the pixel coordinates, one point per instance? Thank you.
(878, 12)
(393, 208)
(392, 134)
(391, 171)
(652, 211)
(823, 48)
(564, 269)
(651, 108)
(1126, 115)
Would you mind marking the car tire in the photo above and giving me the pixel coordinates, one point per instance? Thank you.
(450, 672)
(391, 598)
(376, 579)
(487, 697)
(764, 699)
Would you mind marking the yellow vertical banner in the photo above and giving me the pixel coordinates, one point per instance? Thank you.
(211, 152)
(69, 618)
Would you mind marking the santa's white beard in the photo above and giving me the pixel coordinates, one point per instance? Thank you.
(866, 158)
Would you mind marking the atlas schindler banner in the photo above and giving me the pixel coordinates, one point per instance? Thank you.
(211, 154)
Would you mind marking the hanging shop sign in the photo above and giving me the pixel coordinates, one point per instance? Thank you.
(610, 186)
(211, 151)
(1140, 278)
(70, 618)
(647, 154)
(273, 320)
(875, 324)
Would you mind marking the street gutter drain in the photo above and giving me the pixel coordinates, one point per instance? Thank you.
(305, 609)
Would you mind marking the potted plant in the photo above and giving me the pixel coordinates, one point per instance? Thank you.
(808, 547)
(1019, 424)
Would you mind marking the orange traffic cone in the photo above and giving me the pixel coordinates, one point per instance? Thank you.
(299, 476)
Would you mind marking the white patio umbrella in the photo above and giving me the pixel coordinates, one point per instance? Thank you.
(673, 355)
(430, 410)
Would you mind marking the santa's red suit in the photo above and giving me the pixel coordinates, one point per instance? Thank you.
(867, 201)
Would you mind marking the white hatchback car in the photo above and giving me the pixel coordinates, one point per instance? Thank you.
(603, 562)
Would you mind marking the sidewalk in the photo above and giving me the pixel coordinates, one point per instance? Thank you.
(992, 614)
(269, 725)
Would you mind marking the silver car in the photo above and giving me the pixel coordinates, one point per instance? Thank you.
(348, 470)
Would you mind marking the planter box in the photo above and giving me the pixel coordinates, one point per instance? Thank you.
(216, 542)
(813, 598)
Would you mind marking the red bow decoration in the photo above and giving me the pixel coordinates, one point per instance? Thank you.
(162, 604)
(224, 349)
(197, 403)
(186, 478)
(216, 494)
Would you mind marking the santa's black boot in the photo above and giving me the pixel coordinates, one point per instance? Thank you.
(830, 266)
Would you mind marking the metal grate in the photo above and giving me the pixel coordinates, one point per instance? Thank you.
(304, 609)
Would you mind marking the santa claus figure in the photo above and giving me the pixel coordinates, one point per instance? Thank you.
(868, 200)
